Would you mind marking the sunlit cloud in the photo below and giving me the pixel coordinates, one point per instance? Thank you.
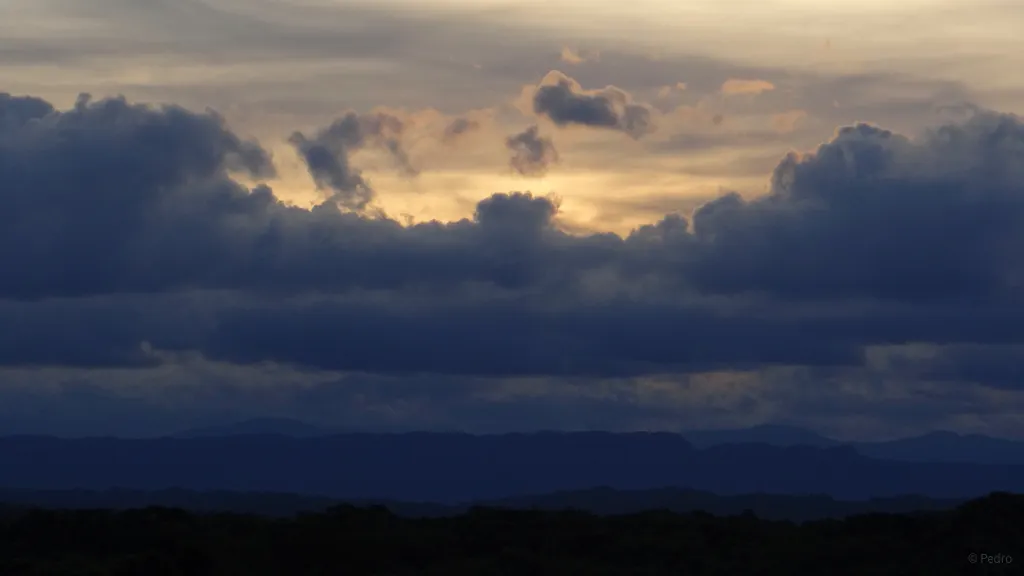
(733, 87)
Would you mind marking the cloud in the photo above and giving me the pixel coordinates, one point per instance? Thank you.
(253, 55)
(787, 122)
(998, 366)
(93, 187)
(735, 86)
(666, 91)
(886, 174)
(459, 127)
(869, 212)
(532, 154)
(574, 57)
(110, 197)
(570, 56)
(17, 111)
(327, 154)
(124, 225)
(194, 392)
(565, 103)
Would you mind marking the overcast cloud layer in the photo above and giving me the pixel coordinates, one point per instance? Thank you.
(561, 237)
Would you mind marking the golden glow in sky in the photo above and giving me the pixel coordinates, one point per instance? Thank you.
(732, 84)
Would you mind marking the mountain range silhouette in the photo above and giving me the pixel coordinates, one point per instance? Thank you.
(454, 468)
(938, 446)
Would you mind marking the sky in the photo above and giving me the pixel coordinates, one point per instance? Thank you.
(494, 216)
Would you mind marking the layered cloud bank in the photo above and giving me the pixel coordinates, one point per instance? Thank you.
(127, 235)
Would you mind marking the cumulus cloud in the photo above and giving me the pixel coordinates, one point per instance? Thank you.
(327, 154)
(531, 152)
(16, 111)
(565, 102)
(111, 197)
(92, 188)
(874, 213)
(123, 224)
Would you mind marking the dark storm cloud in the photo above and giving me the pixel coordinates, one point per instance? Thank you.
(870, 212)
(16, 111)
(580, 335)
(873, 239)
(105, 331)
(473, 332)
(875, 214)
(110, 197)
(566, 103)
(327, 155)
(517, 337)
(532, 153)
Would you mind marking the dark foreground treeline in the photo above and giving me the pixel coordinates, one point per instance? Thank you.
(357, 541)
(605, 501)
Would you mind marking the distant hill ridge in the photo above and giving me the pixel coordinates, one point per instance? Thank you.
(940, 446)
(451, 468)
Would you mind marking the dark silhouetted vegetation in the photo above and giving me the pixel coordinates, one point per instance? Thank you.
(605, 501)
(347, 540)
